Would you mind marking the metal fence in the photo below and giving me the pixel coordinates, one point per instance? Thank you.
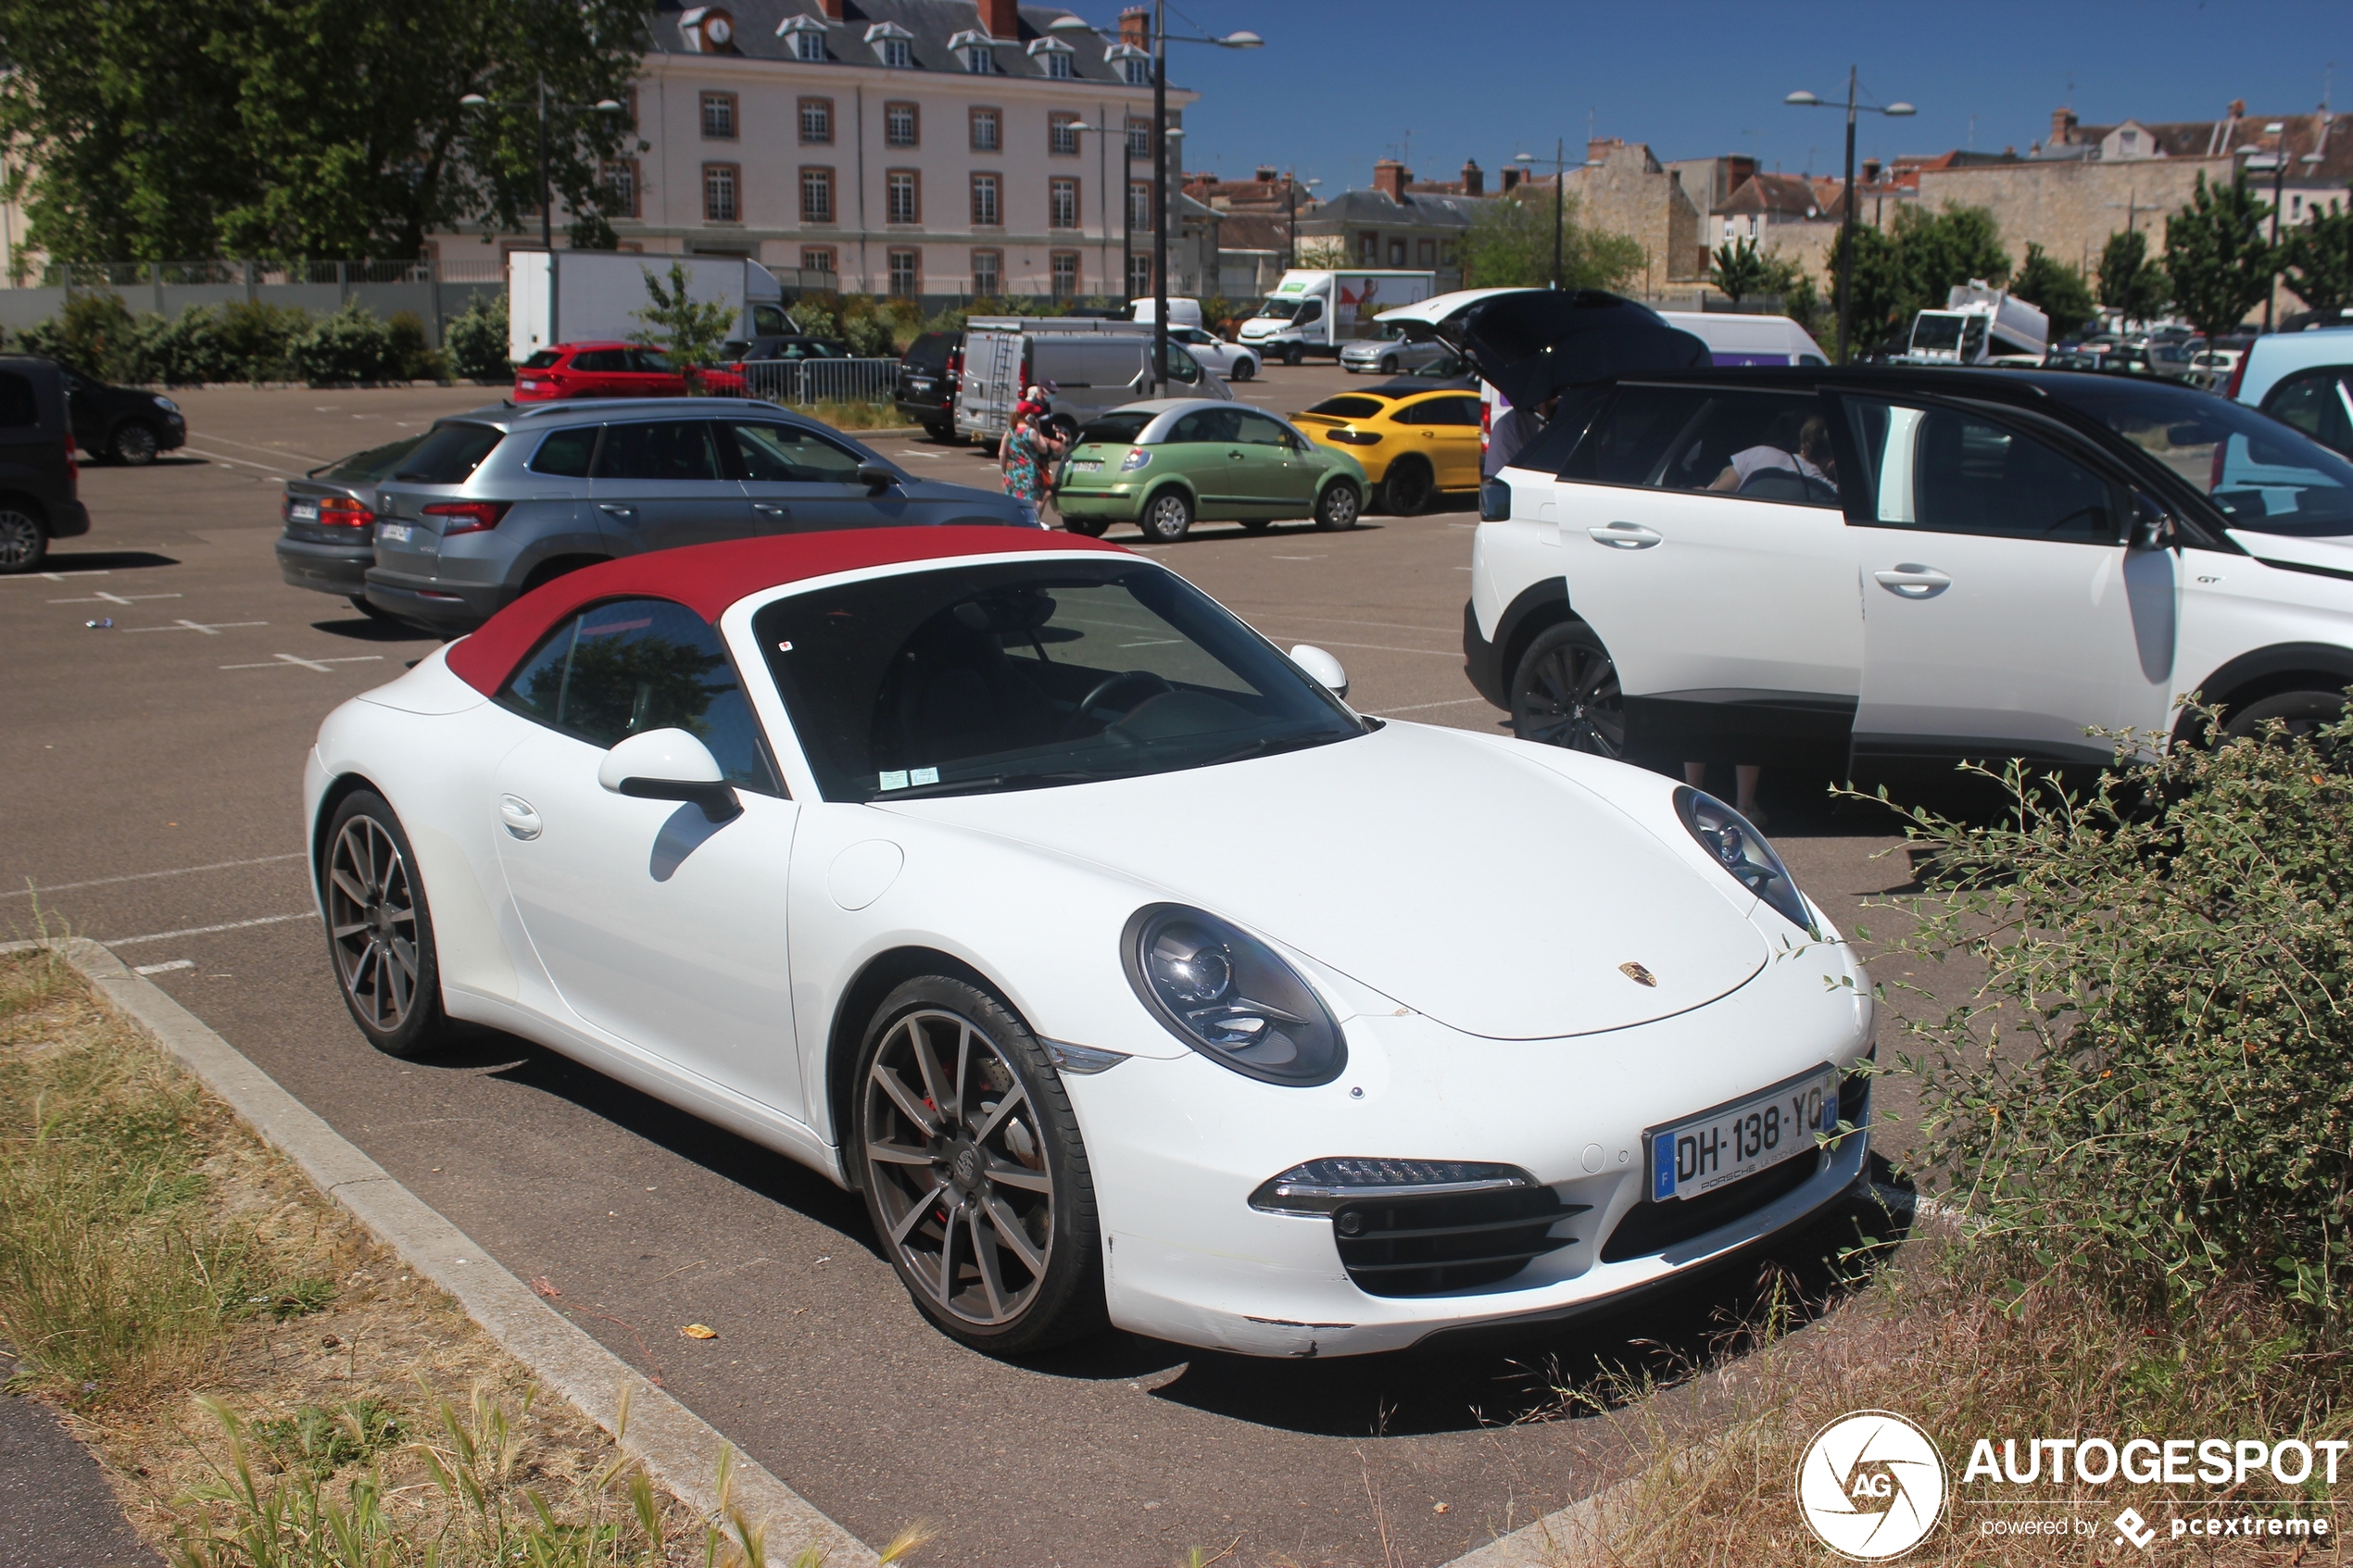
(821, 381)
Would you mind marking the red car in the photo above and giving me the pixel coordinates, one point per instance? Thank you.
(613, 370)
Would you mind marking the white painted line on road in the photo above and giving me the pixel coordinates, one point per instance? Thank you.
(273, 451)
(56, 576)
(1301, 557)
(165, 967)
(183, 625)
(1417, 707)
(150, 876)
(210, 930)
(283, 661)
(113, 598)
(243, 462)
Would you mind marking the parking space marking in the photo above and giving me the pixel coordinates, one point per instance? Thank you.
(273, 451)
(165, 967)
(150, 876)
(1417, 707)
(285, 660)
(210, 930)
(183, 625)
(242, 462)
(56, 576)
(103, 597)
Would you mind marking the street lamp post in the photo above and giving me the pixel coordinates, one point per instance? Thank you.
(546, 189)
(1126, 217)
(1560, 199)
(1161, 137)
(1846, 222)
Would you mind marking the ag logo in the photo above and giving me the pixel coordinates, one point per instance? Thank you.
(1871, 1486)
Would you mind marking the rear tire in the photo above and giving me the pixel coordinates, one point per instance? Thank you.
(23, 541)
(380, 931)
(1168, 517)
(2302, 712)
(1294, 355)
(134, 443)
(1565, 692)
(1245, 368)
(1339, 507)
(1408, 488)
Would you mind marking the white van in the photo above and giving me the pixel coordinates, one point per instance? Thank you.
(1736, 339)
(1181, 312)
(1095, 366)
(1316, 312)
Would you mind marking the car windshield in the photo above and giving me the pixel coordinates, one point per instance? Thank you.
(376, 462)
(974, 680)
(1936, 334)
(448, 454)
(2265, 477)
(1122, 427)
(1277, 309)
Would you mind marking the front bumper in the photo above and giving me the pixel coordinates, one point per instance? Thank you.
(341, 570)
(432, 602)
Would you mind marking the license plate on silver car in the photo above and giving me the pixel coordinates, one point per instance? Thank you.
(303, 511)
(394, 532)
(1741, 1137)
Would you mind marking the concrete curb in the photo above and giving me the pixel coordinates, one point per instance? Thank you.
(1576, 1537)
(677, 1447)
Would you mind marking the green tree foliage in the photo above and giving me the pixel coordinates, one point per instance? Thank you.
(2060, 290)
(2217, 257)
(1510, 245)
(477, 339)
(173, 130)
(2130, 281)
(690, 329)
(1915, 263)
(1737, 270)
(2317, 259)
(876, 329)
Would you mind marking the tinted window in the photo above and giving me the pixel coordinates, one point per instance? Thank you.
(1764, 446)
(634, 665)
(1020, 675)
(1256, 430)
(376, 462)
(545, 360)
(1208, 425)
(2266, 476)
(1628, 444)
(565, 452)
(1957, 473)
(786, 454)
(601, 359)
(2318, 402)
(448, 454)
(17, 405)
(1115, 430)
(1349, 408)
(1443, 411)
(1182, 366)
(928, 352)
(678, 450)
(650, 362)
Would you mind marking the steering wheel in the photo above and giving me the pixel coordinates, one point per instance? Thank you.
(1152, 687)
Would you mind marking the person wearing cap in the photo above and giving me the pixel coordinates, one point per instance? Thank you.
(1026, 455)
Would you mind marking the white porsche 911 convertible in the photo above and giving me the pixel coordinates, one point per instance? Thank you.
(1128, 973)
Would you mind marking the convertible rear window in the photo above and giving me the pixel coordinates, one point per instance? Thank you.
(978, 679)
(1346, 408)
(448, 454)
(1120, 428)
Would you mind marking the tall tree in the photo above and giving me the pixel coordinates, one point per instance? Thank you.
(1914, 264)
(158, 129)
(1510, 245)
(2317, 259)
(2056, 289)
(2130, 281)
(2216, 254)
(1737, 269)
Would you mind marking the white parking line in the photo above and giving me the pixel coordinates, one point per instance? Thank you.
(283, 661)
(273, 451)
(165, 967)
(114, 598)
(184, 624)
(208, 929)
(56, 576)
(242, 462)
(150, 876)
(1417, 707)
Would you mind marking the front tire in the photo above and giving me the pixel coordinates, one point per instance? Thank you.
(23, 541)
(975, 1174)
(134, 443)
(1294, 355)
(1168, 517)
(380, 931)
(1389, 365)
(2303, 713)
(1408, 488)
(1565, 692)
(1339, 507)
(1093, 527)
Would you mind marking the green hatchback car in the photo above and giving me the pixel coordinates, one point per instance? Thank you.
(1168, 464)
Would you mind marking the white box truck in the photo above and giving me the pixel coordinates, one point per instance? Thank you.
(577, 296)
(1095, 366)
(1979, 325)
(1319, 312)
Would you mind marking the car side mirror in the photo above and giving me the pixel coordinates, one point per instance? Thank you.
(1321, 668)
(670, 765)
(875, 478)
(1494, 501)
(2152, 525)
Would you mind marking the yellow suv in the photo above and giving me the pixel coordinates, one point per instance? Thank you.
(1411, 445)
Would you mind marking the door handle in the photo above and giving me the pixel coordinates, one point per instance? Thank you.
(612, 509)
(521, 819)
(1236, 457)
(1625, 536)
(769, 508)
(1912, 581)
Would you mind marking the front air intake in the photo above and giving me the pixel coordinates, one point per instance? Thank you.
(1422, 1246)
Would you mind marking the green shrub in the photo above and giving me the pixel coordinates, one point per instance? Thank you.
(2151, 1084)
(476, 340)
(352, 345)
(187, 350)
(257, 340)
(412, 358)
(96, 333)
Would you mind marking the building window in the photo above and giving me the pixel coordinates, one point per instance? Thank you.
(816, 121)
(900, 128)
(817, 258)
(985, 210)
(1446, 253)
(1728, 228)
(1368, 249)
(808, 44)
(905, 204)
(1140, 276)
(988, 126)
(1058, 67)
(1065, 265)
(1752, 225)
(1429, 253)
(718, 117)
(981, 60)
(718, 181)
(816, 196)
(1139, 205)
(895, 54)
(1061, 204)
(1061, 133)
(906, 273)
(989, 271)
(1140, 138)
(621, 185)
(1397, 253)
(1138, 72)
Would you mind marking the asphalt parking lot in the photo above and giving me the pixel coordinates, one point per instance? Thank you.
(154, 771)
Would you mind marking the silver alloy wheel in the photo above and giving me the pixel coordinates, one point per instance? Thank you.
(958, 1167)
(371, 911)
(1168, 517)
(21, 543)
(134, 444)
(1336, 508)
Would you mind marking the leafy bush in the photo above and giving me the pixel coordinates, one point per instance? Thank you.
(257, 340)
(871, 328)
(476, 340)
(95, 331)
(350, 346)
(2151, 1084)
(189, 350)
(411, 357)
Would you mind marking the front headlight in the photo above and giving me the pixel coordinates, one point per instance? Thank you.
(1733, 843)
(1230, 996)
(167, 403)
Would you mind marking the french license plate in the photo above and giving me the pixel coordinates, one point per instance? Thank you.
(394, 532)
(1086, 465)
(303, 511)
(1742, 1137)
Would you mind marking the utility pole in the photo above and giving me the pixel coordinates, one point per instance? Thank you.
(1159, 370)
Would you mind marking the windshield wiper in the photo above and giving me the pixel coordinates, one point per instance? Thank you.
(991, 781)
(1268, 746)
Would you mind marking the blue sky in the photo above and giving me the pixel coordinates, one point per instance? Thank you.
(1341, 83)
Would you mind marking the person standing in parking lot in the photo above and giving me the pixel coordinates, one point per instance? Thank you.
(1513, 431)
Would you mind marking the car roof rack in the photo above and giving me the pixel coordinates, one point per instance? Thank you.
(578, 404)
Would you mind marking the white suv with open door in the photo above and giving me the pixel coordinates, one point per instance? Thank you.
(1756, 565)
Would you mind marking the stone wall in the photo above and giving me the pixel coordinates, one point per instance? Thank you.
(1626, 191)
(2070, 208)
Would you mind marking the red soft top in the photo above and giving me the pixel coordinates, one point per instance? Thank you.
(708, 578)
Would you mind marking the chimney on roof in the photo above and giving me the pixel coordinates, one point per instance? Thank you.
(1389, 177)
(2238, 109)
(1001, 18)
(1474, 178)
(1510, 179)
(1136, 27)
(1267, 174)
(832, 9)
(1870, 172)
(1600, 147)
(2062, 127)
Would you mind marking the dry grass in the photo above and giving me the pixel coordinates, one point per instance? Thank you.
(853, 416)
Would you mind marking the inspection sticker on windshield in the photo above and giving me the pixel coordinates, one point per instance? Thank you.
(1741, 1137)
(395, 533)
(892, 781)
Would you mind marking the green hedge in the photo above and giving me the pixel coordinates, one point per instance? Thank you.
(259, 343)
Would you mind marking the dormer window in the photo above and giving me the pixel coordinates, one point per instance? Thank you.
(977, 50)
(1053, 58)
(895, 54)
(1137, 72)
(893, 43)
(1058, 67)
(808, 38)
(1133, 66)
(809, 46)
(979, 61)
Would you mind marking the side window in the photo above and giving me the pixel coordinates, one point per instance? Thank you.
(1182, 366)
(1257, 430)
(1952, 472)
(670, 449)
(621, 669)
(1208, 425)
(601, 360)
(1460, 410)
(566, 453)
(1628, 444)
(646, 361)
(784, 454)
(19, 408)
(2318, 402)
(1770, 447)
